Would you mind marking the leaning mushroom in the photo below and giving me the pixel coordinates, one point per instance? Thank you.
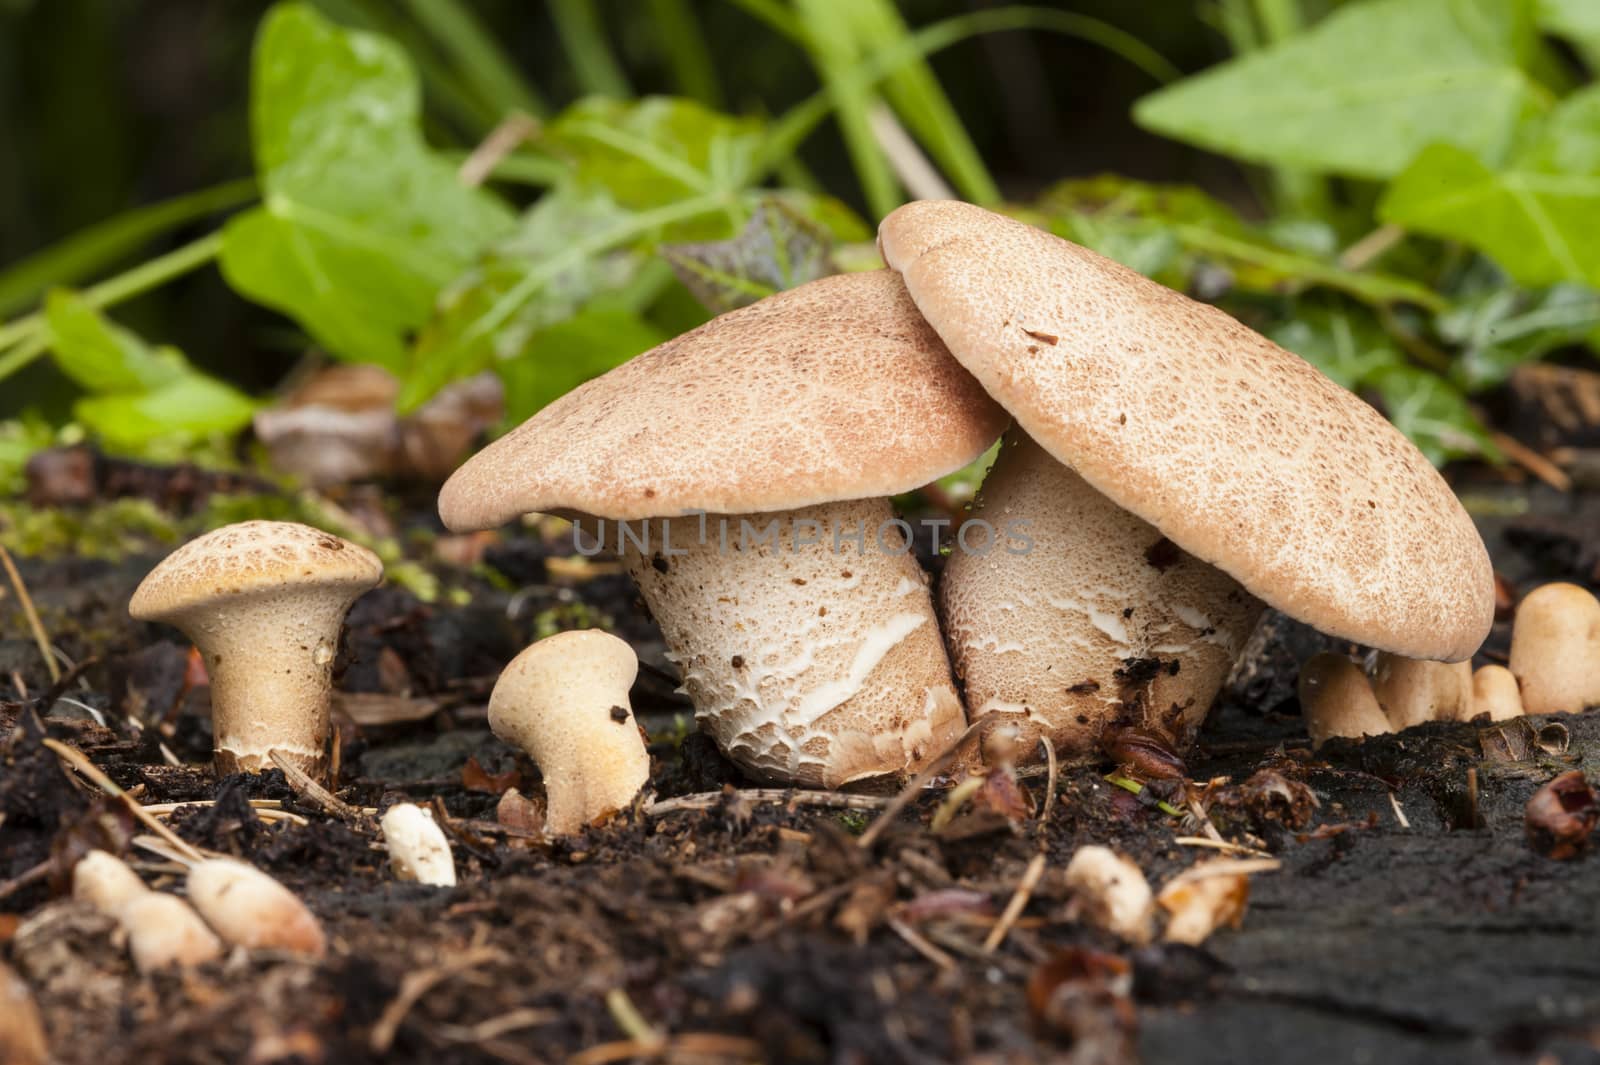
(1495, 694)
(765, 445)
(264, 601)
(1412, 690)
(1555, 649)
(565, 701)
(250, 909)
(1336, 699)
(1245, 475)
(162, 929)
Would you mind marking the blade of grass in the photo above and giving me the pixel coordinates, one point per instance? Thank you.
(798, 123)
(584, 41)
(91, 250)
(774, 15)
(27, 332)
(476, 56)
(694, 72)
(835, 56)
(921, 102)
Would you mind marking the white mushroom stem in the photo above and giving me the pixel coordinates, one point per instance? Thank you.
(1555, 649)
(1412, 690)
(248, 908)
(806, 638)
(1111, 892)
(1495, 693)
(105, 882)
(164, 930)
(1079, 616)
(1336, 699)
(565, 702)
(418, 849)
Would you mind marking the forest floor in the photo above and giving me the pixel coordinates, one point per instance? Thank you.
(1408, 918)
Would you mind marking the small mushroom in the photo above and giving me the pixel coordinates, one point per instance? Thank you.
(22, 1038)
(1412, 691)
(753, 459)
(264, 601)
(564, 701)
(1495, 694)
(1336, 699)
(1555, 649)
(1111, 892)
(162, 930)
(417, 848)
(1202, 899)
(1246, 475)
(248, 908)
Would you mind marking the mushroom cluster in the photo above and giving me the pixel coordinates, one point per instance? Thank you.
(1554, 668)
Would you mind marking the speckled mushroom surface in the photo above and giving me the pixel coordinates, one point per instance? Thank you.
(831, 391)
(264, 601)
(1240, 452)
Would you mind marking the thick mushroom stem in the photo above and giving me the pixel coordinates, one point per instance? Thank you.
(564, 701)
(1414, 690)
(1555, 649)
(1078, 616)
(806, 638)
(1495, 693)
(270, 659)
(1336, 699)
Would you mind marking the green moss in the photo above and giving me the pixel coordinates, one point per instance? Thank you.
(109, 531)
(566, 616)
(854, 821)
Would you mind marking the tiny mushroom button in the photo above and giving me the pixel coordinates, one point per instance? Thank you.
(264, 601)
(1247, 477)
(753, 459)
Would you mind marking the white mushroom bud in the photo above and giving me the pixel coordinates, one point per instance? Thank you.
(1202, 899)
(1495, 693)
(1412, 690)
(105, 882)
(1336, 699)
(164, 930)
(1555, 649)
(248, 908)
(22, 1038)
(565, 702)
(1111, 893)
(418, 849)
(264, 601)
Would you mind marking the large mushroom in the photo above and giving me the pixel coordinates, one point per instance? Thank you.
(264, 601)
(1178, 470)
(762, 448)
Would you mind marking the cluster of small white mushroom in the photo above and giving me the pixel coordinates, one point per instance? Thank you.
(1554, 668)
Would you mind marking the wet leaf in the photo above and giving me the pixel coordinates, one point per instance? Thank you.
(777, 249)
(562, 356)
(1561, 816)
(1083, 997)
(475, 778)
(361, 223)
(1356, 95)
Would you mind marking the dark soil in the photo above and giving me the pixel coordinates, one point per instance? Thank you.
(759, 931)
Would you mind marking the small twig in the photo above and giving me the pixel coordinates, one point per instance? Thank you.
(1369, 248)
(24, 878)
(40, 637)
(707, 800)
(417, 984)
(1204, 819)
(689, 1044)
(1014, 908)
(954, 800)
(1399, 814)
(916, 942)
(913, 789)
(630, 1020)
(78, 761)
(501, 142)
(1532, 461)
(494, 1027)
(266, 809)
(311, 791)
(1214, 867)
(909, 164)
(1051, 781)
(1219, 844)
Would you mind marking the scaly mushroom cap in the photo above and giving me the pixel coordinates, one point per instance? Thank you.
(832, 391)
(252, 557)
(1240, 452)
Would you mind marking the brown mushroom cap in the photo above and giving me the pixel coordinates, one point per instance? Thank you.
(832, 391)
(249, 557)
(1240, 452)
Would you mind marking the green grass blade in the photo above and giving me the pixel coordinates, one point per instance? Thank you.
(476, 55)
(584, 40)
(922, 103)
(92, 250)
(776, 17)
(694, 71)
(834, 55)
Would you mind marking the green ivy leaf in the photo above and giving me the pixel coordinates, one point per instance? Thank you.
(1433, 413)
(1351, 349)
(361, 223)
(1364, 90)
(140, 393)
(1538, 218)
(777, 249)
(1497, 327)
(565, 355)
(1576, 20)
